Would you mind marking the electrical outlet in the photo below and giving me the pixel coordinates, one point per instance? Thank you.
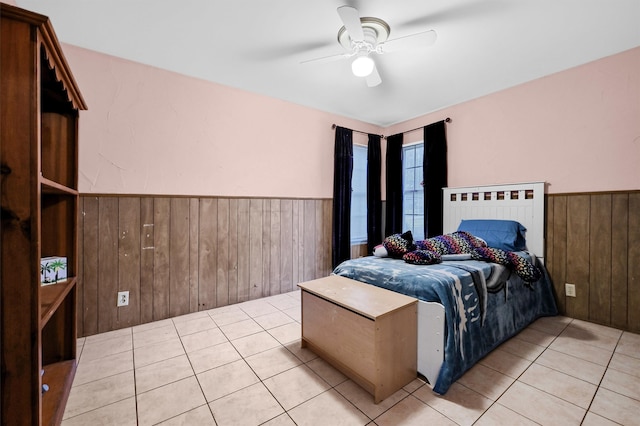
(123, 298)
(570, 289)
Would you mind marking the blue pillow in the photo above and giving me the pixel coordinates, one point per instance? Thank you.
(503, 234)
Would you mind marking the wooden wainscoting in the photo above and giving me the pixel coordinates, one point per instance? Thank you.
(177, 255)
(592, 242)
(358, 250)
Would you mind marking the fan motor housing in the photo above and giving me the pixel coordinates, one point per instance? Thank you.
(375, 31)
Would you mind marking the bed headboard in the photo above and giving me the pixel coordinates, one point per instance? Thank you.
(523, 202)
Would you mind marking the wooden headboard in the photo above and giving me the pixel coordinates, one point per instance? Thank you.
(523, 202)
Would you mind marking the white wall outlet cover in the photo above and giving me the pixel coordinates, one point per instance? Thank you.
(123, 298)
(570, 290)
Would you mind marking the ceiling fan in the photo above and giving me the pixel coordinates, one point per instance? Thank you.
(362, 37)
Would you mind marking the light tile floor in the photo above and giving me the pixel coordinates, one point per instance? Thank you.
(243, 365)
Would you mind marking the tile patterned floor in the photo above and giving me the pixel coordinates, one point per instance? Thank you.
(243, 365)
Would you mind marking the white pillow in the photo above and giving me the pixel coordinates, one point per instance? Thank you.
(380, 251)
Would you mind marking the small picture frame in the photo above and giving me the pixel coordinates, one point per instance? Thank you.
(53, 270)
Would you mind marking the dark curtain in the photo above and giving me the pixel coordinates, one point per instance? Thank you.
(394, 185)
(343, 168)
(435, 176)
(374, 200)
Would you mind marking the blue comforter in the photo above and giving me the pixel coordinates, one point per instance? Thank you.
(485, 303)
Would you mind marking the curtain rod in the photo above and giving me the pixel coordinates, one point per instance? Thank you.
(446, 120)
(333, 126)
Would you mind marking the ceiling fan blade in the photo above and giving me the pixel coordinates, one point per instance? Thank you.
(373, 79)
(351, 20)
(413, 41)
(326, 59)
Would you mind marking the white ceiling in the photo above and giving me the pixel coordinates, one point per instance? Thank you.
(483, 45)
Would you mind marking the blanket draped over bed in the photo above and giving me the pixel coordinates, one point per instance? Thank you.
(485, 303)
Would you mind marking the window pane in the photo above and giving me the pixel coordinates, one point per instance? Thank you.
(419, 154)
(418, 203)
(359, 195)
(417, 185)
(418, 227)
(407, 223)
(413, 191)
(408, 156)
(407, 203)
(408, 180)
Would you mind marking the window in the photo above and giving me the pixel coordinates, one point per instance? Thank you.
(412, 190)
(359, 195)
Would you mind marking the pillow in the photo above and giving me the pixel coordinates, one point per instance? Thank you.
(399, 244)
(461, 256)
(503, 234)
(380, 251)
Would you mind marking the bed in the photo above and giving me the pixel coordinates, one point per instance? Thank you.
(469, 307)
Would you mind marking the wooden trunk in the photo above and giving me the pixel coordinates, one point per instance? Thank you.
(366, 332)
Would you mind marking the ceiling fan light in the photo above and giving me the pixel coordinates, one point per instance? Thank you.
(362, 66)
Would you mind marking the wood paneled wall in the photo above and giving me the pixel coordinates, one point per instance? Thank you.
(593, 241)
(177, 255)
(358, 250)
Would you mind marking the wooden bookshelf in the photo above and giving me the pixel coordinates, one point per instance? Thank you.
(39, 111)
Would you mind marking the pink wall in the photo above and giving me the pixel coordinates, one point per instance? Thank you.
(578, 130)
(150, 131)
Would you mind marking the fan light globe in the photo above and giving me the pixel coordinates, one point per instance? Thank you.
(362, 66)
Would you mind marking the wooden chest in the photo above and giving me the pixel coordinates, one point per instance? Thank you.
(366, 332)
